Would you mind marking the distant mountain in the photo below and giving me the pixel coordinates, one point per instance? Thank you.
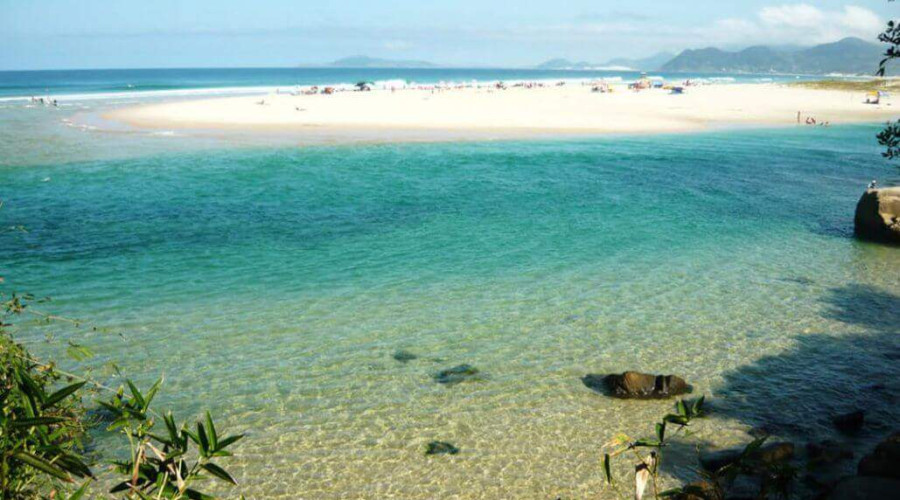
(651, 63)
(373, 62)
(847, 56)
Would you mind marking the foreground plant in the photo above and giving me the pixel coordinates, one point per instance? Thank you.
(40, 430)
(43, 424)
(648, 452)
(775, 477)
(165, 465)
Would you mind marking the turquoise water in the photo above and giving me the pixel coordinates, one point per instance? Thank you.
(272, 284)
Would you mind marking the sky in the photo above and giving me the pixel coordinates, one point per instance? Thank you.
(68, 34)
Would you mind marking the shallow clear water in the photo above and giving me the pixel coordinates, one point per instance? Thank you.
(272, 284)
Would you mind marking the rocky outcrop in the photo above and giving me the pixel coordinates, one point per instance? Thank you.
(878, 215)
(850, 423)
(878, 474)
(865, 488)
(884, 461)
(637, 385)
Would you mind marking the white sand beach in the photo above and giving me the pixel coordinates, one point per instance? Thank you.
(569, 109)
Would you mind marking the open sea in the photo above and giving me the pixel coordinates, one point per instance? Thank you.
(272, 283)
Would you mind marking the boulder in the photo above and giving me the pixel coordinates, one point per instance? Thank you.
(637, 385)
(849, 423)
(455, 375)
(441, 448)
(865, 488)
(827, 452)
(878, 215)
(768, 454)
(884, 461)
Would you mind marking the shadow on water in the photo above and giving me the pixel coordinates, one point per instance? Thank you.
(796, 393)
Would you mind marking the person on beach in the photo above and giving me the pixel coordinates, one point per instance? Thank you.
(872, 185)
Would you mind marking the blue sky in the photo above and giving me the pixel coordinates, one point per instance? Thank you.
(60, 34)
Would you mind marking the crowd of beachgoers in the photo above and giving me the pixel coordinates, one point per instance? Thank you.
(596, 85)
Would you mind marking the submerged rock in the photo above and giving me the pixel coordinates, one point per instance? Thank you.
(766, 455)
(455, 375)
(849, 423)
(441, 448)
(637, 385)
(878, 215)
(404, 356)
(827, 452)
(884, 461)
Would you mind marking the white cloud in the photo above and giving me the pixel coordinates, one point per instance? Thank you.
(804, 23)
(801, 24)
(792, 16)
(857, 20)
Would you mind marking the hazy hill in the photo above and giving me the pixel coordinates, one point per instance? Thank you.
(847, 56)
(651, 63)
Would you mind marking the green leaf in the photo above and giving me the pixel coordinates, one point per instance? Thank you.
(191, 435)
(79, 493)
(123, 486)
(211, 430)
(606, 470)
(676, 419)
(136, 394)
(63, 393)
(152, 392)
(204, 440)
(646, 443)
(697, 407)
(196, 495)
(661, 431)
(170, 426)
(73, 465)
(219, 472)
(680, 408)
(229, 441)
(31, 422)
(41, 465)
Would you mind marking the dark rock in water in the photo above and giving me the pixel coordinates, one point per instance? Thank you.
(441, 448)
(637, 385)
(866, 488)
(827, 452)
(849, 423)
(404, 356)
(766, 455)
(884, 461)
(700, 490)
(878, 215)
(456, 374)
